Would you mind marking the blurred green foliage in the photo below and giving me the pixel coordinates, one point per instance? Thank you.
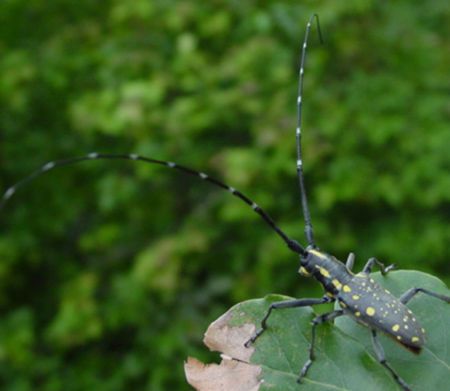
(111, 271)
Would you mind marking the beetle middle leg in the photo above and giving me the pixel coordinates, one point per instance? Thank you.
(372, 261)
(285, 304)
(316, 321)
(410, 293)
(379, 351)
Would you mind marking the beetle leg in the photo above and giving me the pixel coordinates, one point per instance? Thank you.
(410, 293)
(285, 304)
(350, 261)
(384, 269)
(379, 351)
(316, 321)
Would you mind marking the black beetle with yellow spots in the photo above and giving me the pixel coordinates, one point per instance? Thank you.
(358, 295)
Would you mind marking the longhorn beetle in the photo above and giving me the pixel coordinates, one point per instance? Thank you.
(358, 295)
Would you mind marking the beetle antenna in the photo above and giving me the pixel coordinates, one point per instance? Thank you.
(308, 225)
(292, 244)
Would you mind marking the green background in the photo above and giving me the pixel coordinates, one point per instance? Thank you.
(111, 271)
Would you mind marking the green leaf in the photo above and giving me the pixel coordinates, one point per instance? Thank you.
(344, 356)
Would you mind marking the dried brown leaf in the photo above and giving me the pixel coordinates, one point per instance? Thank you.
(234, 373)
(229, 375)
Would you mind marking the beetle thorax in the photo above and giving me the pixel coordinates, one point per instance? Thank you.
(326, 269)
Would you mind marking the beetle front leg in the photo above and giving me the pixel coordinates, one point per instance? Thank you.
(285, 304)
(350, 261)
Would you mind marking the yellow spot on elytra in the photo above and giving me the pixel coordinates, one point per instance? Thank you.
(346, 288)
(337, 284)
(387, 292)
(372, 281)
(304, 272)
(415, 339)
(357, 313)
(413, 319)
(395, 327)
(342, 304)
(399, 337)
(405, 319)
(406, 327)
(355, 297)
(423, 330)
(329, 294)
(370, 311)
